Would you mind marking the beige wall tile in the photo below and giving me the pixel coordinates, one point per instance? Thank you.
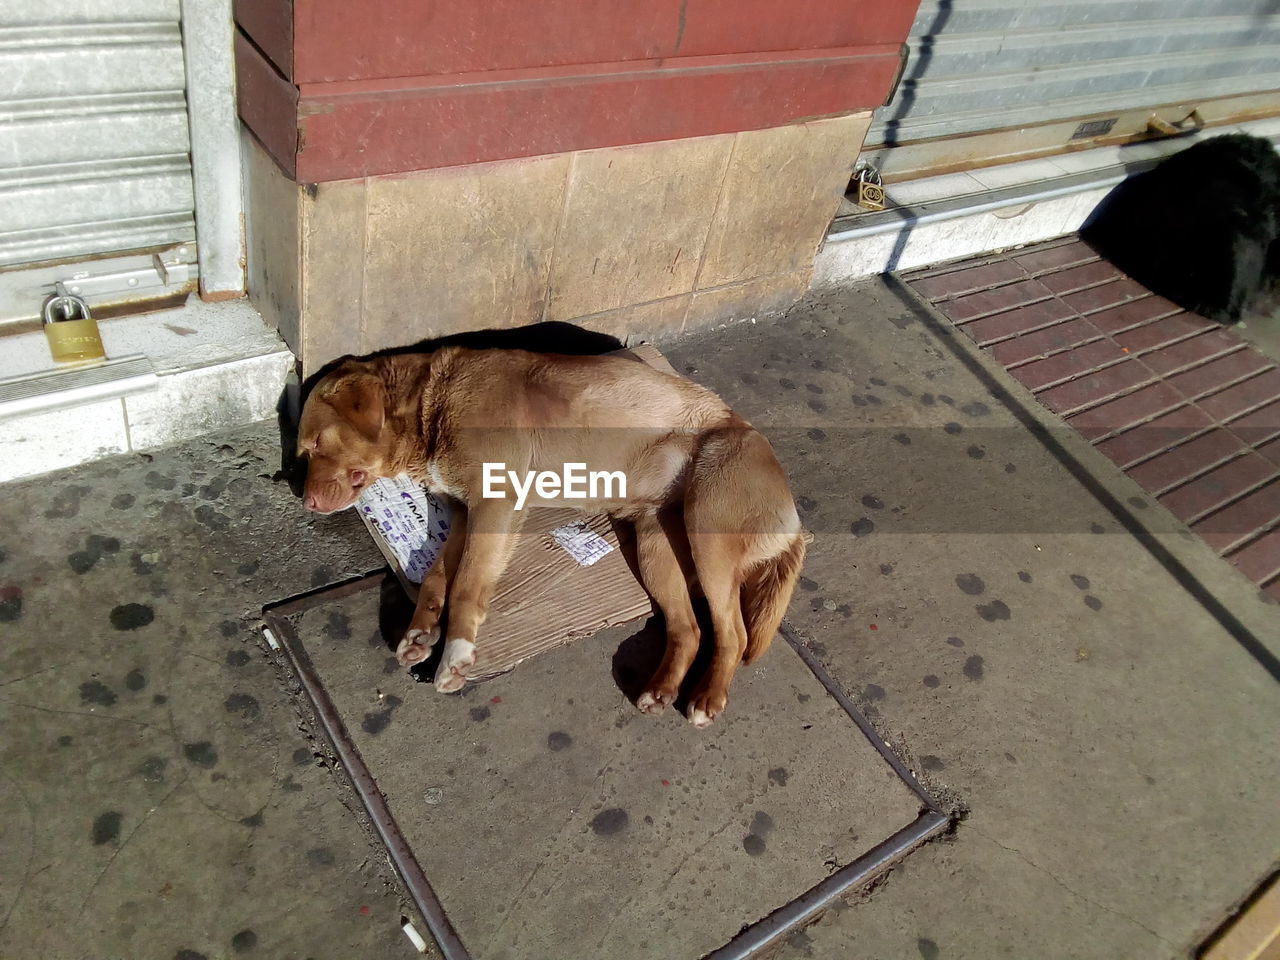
(755, 298)
(780, 193)
(459, 249)
(635, 223)
(271, 234)
(333, 256)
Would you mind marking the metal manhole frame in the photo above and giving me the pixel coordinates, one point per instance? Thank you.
(932, 819)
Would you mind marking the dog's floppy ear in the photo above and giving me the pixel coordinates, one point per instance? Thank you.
(361, 400)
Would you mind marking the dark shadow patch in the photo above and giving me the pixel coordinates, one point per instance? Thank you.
(976, 409)
(1081, 581)
(778, 776)
(606, 823)
(886, 569)
(1092, 602)
(211, 518)
(974, 668)
(927, 948)
(872, 502)
(254, 821)
(244, 704)
(931, 764)
(955, 641)
(320, 857)
(928, 399)
(237, 658)
(135, 680)
(976, 452)
(244, 941)
(755, 846)
(1024, 576)
(558, 740)
(807, 584)
(131, 616)
(480, 714)
(66, 503)
(993, 611)
(152, 769)
(123, 501)
(201, 754)
(903, 439)
(106, 827)
(65, 740)
(816, 435)
(971, 584)
(1010, 468)
(378, 720)
(952, 428)
(806, 504)
(872, 692)
(97, 693)
(930, 680)
(862, 527)
(338, 626)
(189, 955)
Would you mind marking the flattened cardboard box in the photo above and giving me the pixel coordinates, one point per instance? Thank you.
(568, 576)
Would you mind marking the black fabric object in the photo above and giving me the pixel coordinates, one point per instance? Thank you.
(1201, 228)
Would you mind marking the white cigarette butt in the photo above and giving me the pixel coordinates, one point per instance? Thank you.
(271, 638)
(414, 937)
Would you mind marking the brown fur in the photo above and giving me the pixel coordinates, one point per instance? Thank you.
(708, 498)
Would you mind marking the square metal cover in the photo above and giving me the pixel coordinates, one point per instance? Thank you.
(539, 814)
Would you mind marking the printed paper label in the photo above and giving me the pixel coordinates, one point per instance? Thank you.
(412, 522)
(581, 542)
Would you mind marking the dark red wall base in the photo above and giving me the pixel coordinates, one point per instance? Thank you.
(332, 98)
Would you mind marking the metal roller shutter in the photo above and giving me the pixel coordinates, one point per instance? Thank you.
(1015, 78)
(94, 158)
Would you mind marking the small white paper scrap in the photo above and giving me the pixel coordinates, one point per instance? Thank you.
(413, 523)
(581, 542)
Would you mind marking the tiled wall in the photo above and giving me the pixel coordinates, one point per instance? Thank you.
(643, 241)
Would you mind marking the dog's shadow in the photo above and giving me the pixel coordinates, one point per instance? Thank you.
(638, 657)
(633, 663)
(395, 611)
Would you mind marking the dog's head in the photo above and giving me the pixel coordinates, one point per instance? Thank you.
(341, 435)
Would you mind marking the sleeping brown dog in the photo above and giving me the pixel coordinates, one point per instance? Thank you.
(710, 502)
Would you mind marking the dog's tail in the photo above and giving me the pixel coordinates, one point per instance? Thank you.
(766, 593)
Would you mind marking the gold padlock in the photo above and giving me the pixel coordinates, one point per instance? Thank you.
(72, 332)
(870, 193)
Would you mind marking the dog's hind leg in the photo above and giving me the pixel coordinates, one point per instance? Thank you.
(662, 554)
(717, 557)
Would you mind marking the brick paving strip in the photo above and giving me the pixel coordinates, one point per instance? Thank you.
(1181, 404)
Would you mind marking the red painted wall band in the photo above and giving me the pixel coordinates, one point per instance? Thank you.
(316, 41)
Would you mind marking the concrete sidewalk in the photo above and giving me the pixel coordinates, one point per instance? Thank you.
(1088, 686)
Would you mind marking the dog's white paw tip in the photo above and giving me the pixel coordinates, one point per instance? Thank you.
(648, 703)
(699, 718)
(458, 653)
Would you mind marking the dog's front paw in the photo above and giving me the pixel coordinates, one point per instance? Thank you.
(656, 699)
(705, 706)
(416, 646)
(458, 655)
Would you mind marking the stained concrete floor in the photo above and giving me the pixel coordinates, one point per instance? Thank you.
(1086, 684)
